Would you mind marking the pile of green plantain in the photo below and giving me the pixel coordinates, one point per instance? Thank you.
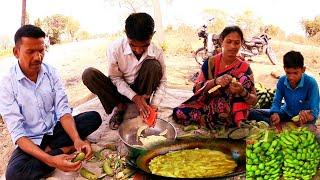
(301, 154)
(264, 95)
(264, 156)
(293, 154)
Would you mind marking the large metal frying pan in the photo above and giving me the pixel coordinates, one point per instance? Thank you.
(234, 148)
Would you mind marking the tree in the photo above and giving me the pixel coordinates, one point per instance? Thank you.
(158, 22)
(311, 27)
(58, 24)
(54, 26)
(81, 35)
(132, 5)
(219, 21)
(38, 22)
(249, 24)
(27, 19)
(23, 12)
(273, 31)
(137, 5)
(72, 27)
(5, 42)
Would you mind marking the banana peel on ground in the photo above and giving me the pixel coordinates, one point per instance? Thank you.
(88, 174)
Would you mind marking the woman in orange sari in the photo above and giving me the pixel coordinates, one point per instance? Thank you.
(230, 103)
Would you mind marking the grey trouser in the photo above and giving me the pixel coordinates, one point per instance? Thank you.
(147, 81)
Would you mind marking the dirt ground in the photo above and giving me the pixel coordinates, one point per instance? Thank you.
(72, 58)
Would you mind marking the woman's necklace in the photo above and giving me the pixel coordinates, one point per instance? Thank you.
(225, 65)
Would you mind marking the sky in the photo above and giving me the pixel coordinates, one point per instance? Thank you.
(97, 16)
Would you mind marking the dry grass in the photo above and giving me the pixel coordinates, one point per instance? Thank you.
(182, 41)
(310, 52)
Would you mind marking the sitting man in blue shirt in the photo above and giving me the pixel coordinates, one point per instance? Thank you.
(35, 108)
(299, 91)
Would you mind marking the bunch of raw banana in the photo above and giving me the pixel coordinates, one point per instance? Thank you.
(301, 154)
(264, 95)
(264, 156)
(293, 154)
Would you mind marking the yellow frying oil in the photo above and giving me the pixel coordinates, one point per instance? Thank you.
(192, 163)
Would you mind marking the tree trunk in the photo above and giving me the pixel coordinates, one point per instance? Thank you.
(23, 13)
(158, 22)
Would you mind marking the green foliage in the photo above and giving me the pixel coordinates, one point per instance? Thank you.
(169, 29)
(5, 42)
(249, 23)
(38, 22)
(186, 30)
(164, 46)
(5, 46)
(82, 35)
(57, 25)
(5, 52)
(180, 41)
(219, 22)
(27, 20)
(274, 31)
(311, 27)
(72, 27)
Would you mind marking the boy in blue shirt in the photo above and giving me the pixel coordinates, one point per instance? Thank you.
(299, 91)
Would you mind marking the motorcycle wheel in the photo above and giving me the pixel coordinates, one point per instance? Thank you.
(200, 55)
(272, 56)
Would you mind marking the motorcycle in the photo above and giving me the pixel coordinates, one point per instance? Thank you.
(211, 45)
(257, 46)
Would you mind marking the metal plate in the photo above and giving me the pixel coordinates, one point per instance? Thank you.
(128, 131)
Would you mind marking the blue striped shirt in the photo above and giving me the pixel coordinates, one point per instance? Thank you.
(304, 97)
(32, 109)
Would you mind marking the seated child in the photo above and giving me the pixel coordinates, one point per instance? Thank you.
(299, 91)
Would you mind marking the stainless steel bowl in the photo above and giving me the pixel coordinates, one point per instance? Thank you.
(128, 131)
